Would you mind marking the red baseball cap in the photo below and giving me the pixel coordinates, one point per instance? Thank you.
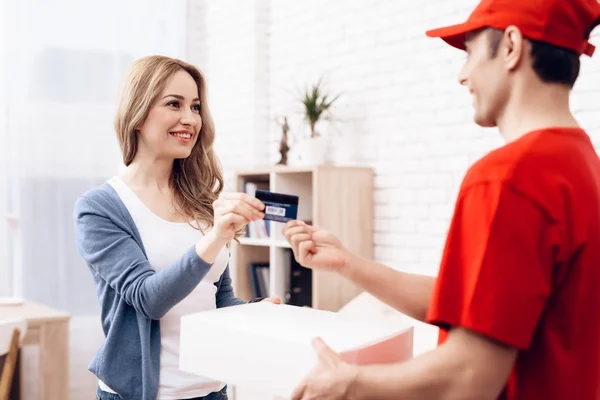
(563, 23)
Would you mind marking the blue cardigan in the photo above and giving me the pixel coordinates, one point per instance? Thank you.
(133, 297)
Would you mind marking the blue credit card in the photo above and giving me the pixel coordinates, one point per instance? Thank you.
(278, 207)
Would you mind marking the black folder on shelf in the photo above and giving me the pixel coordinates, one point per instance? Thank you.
(300, 290)
(259, 279)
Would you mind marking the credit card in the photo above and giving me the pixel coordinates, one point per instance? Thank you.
(278, 206)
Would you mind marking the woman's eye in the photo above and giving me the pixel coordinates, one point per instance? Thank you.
(173, 103)
(196, 107)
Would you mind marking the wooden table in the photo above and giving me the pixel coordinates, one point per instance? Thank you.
(48, 329)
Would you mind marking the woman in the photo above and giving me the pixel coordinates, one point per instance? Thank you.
(155, 237)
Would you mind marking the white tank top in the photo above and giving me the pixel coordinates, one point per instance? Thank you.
(165, 242)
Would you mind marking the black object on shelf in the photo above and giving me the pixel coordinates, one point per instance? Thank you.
(259, 279)
(300, 291)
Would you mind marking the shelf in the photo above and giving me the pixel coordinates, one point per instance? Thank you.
(254, 242)
(282, 243)
(264, 242)
(285, 169)
(280, 169)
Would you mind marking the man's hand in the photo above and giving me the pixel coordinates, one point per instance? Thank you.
(331, 379)
(467, 365)
(315, 248)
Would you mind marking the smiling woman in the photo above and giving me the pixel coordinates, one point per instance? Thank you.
(155, 237)
(163, 118)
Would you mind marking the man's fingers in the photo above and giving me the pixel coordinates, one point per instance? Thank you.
(299, 238)
(305, 251)
(325, 353)
(297, 230)
(325, 238)
(296, 242)
(291, 224)
(291, 230)
(311, 228)
(298, 393)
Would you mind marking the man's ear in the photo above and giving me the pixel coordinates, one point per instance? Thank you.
(513, 47)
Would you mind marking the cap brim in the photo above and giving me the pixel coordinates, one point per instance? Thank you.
(454, 35)
(588, 49)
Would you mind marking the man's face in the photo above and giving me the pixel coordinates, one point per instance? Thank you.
(486, 78)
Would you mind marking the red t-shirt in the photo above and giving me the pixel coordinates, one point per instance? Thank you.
(521, 263)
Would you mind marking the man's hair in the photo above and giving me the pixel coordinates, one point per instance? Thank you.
(552, 64)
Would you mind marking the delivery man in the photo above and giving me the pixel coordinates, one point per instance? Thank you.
(517, 298)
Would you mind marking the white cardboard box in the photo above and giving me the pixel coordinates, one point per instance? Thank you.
(268, 347)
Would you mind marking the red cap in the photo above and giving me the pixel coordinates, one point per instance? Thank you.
(563, 23)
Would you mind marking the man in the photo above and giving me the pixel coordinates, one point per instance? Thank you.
(517, 297)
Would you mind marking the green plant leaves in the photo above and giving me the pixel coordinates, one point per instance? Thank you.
(316, 102)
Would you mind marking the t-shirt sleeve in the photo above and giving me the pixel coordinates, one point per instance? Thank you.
(496, 271)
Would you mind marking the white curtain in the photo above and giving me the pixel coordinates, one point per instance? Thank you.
(63, 62)
(61, 65)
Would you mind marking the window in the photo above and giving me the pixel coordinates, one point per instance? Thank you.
(59, 76)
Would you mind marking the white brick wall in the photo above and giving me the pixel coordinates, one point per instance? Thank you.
(401, 106)
(228, 41)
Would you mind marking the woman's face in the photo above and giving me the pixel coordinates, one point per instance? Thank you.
(173, 124)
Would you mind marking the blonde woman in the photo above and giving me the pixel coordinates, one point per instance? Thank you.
(155, 237)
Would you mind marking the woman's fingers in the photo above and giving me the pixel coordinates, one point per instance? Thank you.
(243, 209)
(235, 219)
(244, 198)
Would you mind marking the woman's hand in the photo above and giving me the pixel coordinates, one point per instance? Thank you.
(273, 299)
(232, 212)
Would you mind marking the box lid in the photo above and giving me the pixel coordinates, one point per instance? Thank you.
(299, 324)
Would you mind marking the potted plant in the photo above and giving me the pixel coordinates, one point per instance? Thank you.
(316, 106)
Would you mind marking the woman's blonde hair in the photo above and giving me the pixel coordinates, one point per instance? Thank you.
(196, 180)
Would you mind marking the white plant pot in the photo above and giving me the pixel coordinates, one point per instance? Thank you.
(309, 151)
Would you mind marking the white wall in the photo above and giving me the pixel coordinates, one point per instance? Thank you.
(401, 105)
(228, 42)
